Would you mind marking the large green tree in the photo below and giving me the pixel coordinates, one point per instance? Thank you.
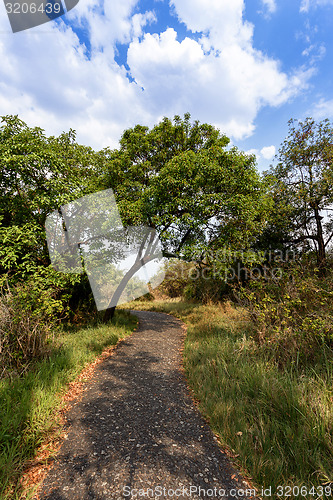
(38, 174)
(184, 180)
(302, 186)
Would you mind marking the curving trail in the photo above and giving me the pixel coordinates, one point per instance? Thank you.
(136, 427)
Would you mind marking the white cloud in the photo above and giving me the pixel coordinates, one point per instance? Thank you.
(47, 78)
(139, 21)
(307, 4)
(50, 78)
(268, 152)
(323, 109)
(253, 151)
(222, 18)
(270, 5)
(315, 52)
(221, 78)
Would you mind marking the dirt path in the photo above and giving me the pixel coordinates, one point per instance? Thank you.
(136, 428)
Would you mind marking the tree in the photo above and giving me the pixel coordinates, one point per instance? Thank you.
(179, 178)
(38, 174)
(303, 186)
(89, 232)
(182, 179)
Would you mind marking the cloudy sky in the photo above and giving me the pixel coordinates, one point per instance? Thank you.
(246, 66)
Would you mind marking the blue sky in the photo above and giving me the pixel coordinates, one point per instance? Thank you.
(246, 66)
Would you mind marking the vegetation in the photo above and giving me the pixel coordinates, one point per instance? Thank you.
(183, 180)
(30, 405)
(39, 174)
(275, 420)
(261, 369)
(293, 314)
(303, 188)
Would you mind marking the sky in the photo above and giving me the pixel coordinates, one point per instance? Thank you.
(245, 66)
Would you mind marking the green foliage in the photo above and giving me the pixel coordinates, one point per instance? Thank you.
(20, 251)
(38, 174)
(293, 312)
(191, 281)
(206, 288)
(177, 276)
(29, 314)
(302, 188)
(181, 179)
(25, 334)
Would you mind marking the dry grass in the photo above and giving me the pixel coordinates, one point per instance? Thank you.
(24, 337)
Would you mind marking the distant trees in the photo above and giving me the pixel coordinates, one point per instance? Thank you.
(302, 187)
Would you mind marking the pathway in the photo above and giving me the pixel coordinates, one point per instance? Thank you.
(136, 428)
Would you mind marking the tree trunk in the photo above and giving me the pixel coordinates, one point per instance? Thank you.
(116, 296)
(109, 313)
(321, 253)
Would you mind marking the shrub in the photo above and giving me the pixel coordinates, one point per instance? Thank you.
(29, 315)
(24, 336)
(205, 288)
(177, 277)
(188, 280)
(293, 312)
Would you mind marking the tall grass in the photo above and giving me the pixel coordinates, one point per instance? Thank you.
(276, 422)
(28, 403)
(293, 313)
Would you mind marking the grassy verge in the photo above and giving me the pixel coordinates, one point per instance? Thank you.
(277, 423)
(28, 404)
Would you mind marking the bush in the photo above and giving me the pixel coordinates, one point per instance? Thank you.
(177, 277)
(29, 314)
(293, 312)
(205, 288)
(188, 280)
(24, 336)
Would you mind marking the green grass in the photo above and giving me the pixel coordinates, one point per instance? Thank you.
(278, 423)
(28, 404)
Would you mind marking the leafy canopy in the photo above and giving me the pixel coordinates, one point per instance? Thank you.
(38, 174)
(182, 179)
(302, 186)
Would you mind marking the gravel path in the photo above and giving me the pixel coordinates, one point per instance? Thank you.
(136, 428)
